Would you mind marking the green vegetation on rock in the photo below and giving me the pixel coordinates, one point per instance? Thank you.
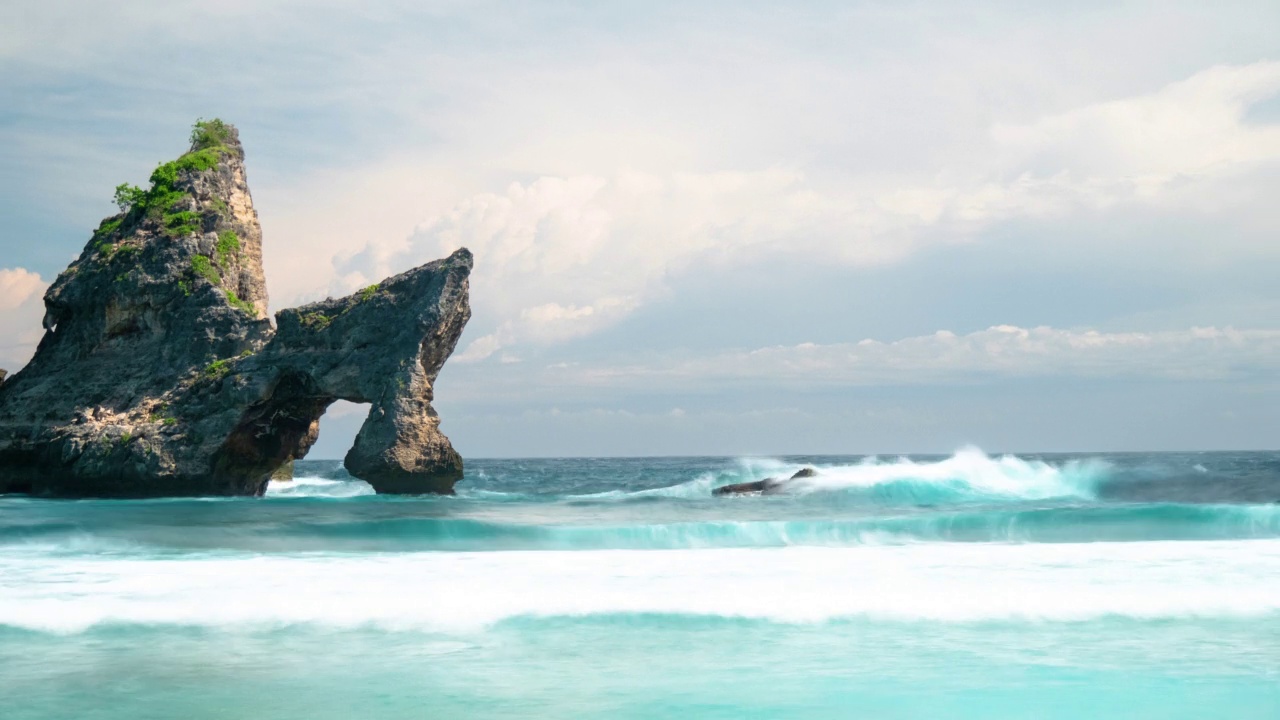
(160, 202)
(228, 245)
(108, 226)
(315, 320)
(102, 236)
(127, 196)
(203, 267)
(239, 304)
(182, 223)
(209, 133)
(319, 320)
(218, 369)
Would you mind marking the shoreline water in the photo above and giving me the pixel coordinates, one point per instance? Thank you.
(1110, 586)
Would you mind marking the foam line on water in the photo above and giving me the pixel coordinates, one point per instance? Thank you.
(468, 591)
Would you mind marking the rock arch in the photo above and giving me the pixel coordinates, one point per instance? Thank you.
(383, 346)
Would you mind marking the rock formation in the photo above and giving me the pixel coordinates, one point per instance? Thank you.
(284, 473)
(160, 374)
(767, 486)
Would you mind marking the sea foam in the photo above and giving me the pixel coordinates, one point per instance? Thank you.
(304, 486)
(460, 592)
(969, 475)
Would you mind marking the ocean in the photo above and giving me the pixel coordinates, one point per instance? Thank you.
(1135, 585)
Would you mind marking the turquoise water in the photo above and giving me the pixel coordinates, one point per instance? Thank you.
(1110, 586)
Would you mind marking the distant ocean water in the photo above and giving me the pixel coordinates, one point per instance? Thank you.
(1137, 585)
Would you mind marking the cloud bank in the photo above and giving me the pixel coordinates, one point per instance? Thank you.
(563, 257)
(993, 355)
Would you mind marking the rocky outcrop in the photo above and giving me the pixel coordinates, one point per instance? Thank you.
(284, 473)
(767, 486)
(160, 374)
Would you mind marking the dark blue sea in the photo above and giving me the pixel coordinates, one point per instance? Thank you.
(971, 586)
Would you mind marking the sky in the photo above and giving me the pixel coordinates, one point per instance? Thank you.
(719, 228)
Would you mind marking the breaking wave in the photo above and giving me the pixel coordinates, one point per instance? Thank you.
(461, 592)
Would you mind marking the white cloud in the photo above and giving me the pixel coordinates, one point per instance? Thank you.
(1191, 127)
(560, 257)
(17, 285)
(21, 307)
(841, 135)
(998, 353)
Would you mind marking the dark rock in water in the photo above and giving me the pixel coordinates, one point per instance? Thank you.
(744, 488)
(768, 486)
(284, 473)
(160, 374)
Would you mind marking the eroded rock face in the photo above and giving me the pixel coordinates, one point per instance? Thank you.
(160, 375)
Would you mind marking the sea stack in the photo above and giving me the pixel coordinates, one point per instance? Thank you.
(160, 373)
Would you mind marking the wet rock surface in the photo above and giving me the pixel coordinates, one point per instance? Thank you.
(768, 486)
(160, 374)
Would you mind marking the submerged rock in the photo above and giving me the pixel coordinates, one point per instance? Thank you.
(768, 486)
(160, 374)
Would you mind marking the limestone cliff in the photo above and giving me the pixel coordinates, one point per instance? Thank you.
(160, 374)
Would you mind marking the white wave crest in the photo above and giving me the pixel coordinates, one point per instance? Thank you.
(467, 591)
(968, 471)
(318, 487)
(968, 474)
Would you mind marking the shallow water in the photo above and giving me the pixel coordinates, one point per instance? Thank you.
(1126, 585)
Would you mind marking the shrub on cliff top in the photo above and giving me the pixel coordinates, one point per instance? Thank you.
(209, 140)
(129, 195)
(209, 133)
